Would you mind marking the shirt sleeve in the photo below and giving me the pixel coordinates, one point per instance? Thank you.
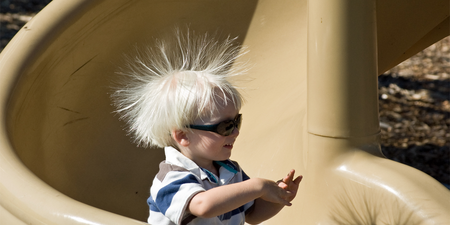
(171, 196)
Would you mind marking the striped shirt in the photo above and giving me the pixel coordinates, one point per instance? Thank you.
(179, 179)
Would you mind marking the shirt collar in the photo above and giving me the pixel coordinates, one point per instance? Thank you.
(227, 168)
(175, 157)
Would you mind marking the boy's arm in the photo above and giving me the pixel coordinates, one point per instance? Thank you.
(220, 200)
(263, 210)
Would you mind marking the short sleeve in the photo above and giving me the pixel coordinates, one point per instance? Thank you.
(171, 196)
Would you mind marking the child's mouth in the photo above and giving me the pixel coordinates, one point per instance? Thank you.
(228, 146)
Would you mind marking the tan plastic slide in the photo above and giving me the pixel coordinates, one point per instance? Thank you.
(311, 106)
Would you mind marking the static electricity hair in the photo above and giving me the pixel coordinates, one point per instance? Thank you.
(169, 86)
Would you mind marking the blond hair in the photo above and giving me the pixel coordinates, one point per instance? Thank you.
(168, 87)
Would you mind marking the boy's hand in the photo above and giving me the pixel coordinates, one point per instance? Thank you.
(275, 195)
(283, 191)
(272, 192)
(289, 184)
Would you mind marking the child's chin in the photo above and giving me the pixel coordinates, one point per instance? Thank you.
(225, 156)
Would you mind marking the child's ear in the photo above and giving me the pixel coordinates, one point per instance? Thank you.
(180, 137)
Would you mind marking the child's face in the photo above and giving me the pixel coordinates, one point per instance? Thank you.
(207, 146)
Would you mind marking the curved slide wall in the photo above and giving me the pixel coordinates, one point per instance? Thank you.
(65, 159)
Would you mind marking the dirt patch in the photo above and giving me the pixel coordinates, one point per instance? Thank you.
(414, 101)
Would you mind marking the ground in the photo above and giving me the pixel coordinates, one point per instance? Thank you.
(414, 98)
(414, 105)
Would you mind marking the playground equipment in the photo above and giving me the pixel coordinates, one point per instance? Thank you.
(312, 106)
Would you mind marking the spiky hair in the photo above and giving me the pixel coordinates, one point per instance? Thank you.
(173, 84)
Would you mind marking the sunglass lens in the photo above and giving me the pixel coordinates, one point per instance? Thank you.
(238, 121)
(225, 128)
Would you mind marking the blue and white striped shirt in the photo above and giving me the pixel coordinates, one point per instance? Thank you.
(179, 179)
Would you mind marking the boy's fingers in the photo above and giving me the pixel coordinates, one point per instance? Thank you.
(285, 202)
(298, 179)
(289, 176)
(282, 185)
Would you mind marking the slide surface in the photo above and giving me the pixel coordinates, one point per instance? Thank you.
(65, 157)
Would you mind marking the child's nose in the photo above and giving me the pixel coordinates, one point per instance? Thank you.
(235, 132)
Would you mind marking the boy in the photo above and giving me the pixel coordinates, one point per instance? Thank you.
(181, 99)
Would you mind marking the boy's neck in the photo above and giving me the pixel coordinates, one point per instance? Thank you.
(211, 167)
(208, 165)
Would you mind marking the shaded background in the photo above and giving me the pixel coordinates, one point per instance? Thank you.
(414, 98)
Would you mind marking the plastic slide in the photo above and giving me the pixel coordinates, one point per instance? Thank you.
(311, 105)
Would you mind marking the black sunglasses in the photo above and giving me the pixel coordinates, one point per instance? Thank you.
(223, 128)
